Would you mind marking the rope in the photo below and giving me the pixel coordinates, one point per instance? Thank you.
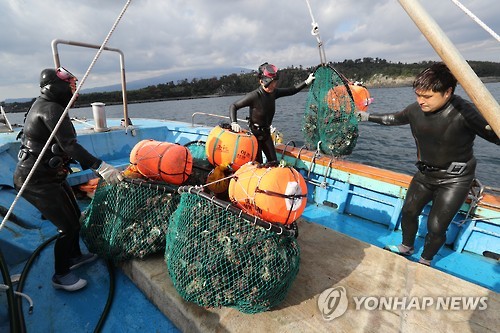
(217, 181)
(83, 122)
(315, 33)
(279, 229)
(222, 179)
(477, 20)
(73, 98)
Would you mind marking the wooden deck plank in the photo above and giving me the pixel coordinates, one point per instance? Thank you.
(330, 259)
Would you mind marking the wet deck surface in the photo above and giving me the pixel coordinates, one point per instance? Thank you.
(330, 259)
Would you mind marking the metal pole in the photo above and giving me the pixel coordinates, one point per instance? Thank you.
(57, 63)
(471, 83)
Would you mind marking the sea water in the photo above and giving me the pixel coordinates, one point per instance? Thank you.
(389, 147)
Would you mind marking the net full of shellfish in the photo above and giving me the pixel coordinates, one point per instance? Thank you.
(219, 256)
(128, 220)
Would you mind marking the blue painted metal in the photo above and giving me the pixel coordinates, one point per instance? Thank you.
(370, 210)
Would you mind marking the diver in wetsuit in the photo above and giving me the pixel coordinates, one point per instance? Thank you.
(444, 127)
(48, 189)
(262, 106)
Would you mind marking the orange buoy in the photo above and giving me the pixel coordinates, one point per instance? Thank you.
(132, 172)
(338, 99)
(164, 161)
(133, 153)
(217, 180)
(225, 147)
(361, 96)
(274, 194)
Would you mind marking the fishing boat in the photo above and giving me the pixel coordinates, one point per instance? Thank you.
(346, 281)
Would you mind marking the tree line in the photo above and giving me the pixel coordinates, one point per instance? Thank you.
(356, 70)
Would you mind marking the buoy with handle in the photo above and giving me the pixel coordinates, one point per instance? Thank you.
(165, 161)
(275, 194)
(225, 147)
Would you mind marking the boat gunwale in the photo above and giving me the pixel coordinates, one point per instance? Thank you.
(487, 200)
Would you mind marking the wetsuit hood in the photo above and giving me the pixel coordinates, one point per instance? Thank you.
(53, 89)
(268, 73)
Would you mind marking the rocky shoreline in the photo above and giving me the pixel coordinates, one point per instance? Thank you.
(384, 81)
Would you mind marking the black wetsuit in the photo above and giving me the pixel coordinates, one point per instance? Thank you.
(262, 108)
(442, 138)
(48, 189)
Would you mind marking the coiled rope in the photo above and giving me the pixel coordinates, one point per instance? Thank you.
(73, 98)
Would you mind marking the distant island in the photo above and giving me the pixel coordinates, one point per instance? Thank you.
(371, 72)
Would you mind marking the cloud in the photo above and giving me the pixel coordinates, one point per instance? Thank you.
(161, 36)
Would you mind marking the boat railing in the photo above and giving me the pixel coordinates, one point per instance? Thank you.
(210, 115)
(4, 120)
(57, 63)
(478, 190)
(492, 189)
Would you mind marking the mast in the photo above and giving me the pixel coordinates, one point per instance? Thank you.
(471, 83)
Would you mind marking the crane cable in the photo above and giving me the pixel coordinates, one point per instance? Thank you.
(315, 33)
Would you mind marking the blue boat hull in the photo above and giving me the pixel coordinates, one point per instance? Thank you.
(355, 200)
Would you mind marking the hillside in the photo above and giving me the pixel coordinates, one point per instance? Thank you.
(372, 72)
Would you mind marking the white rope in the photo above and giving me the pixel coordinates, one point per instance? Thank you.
(315, 33)
(218, 180)
(73, 98)
(83, 122)
(477, 20)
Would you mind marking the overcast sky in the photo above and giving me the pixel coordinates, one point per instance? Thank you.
(158, 37)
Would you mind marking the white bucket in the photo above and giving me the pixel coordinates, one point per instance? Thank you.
(99, 117)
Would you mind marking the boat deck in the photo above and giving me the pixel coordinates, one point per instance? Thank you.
(331, 259)
(486, 270)
(60, 311)
(339, 249)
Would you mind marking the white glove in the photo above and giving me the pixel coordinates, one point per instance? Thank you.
(310, 79)
(235, 127)
(362, 115)
(109, 173)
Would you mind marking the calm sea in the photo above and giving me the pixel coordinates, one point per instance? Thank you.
(389, 147)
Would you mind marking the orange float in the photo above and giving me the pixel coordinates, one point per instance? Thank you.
(132, 172)
(361, 96)
(274, 194)
(338, 97)
(225, 147)
(164, 161)
(217, 180)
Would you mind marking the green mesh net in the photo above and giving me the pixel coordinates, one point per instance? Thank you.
(219, 257)
(128, 220)
(201, 165)
(330, 114)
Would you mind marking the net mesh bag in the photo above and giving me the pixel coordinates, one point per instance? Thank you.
(218, 256)
(128, 220)
(201, 165)
(330, 114)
